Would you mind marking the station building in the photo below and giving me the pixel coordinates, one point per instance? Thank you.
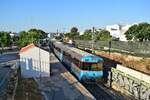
(34, 62)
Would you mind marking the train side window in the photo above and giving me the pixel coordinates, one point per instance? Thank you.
(58, 49)
(67, 56)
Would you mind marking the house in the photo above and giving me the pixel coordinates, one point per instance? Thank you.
(118, 31)
(34, 62)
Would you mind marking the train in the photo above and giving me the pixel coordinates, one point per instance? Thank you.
(83, 65)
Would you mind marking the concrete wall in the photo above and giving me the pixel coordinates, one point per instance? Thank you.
(129, 82)
(134, 73)
(34, 62)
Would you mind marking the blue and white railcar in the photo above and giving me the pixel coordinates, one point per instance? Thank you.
(84, 65)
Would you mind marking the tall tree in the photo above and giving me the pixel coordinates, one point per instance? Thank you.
(139, 32)
(73, 34)
(100, 34)
(87, 34)
(30, 36)
(74, 30)
(5, 39)
(23, 38)
(103, 35)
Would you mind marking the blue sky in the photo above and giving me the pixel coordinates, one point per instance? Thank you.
(50, 15)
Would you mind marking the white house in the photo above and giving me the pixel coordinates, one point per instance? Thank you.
(34, 62)
(118, 31)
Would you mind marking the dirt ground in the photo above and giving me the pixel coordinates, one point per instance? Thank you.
(136, 63)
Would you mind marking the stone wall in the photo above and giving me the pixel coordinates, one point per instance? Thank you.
(129, 85)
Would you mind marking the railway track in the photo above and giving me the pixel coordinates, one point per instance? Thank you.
(96, 89)
(98, 92)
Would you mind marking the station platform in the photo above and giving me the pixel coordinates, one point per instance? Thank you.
(62, 85)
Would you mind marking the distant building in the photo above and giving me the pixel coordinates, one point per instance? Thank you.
(50, 35)
(13, 34)
(56, 35)
(118, 31)
(34, 62)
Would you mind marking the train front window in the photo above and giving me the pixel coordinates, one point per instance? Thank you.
(96, 66)
(92, 66)
(86, 66)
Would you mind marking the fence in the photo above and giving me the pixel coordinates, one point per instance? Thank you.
(6, 50)
(133, 48)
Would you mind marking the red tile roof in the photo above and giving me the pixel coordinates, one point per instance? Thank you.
(27, 47)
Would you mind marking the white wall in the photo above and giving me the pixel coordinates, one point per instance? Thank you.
(118, 31)
(30, 63)
(114, 30)
(134, 73)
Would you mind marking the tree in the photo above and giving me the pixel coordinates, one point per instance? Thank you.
(103, 35)
(5, 39)
(74, 30)
(15, 40)
(148, 33)
(31, 36)
(68, 35)
(39, 32)
(87, 34)
(73, 34)
(140, 32)
(100, 34)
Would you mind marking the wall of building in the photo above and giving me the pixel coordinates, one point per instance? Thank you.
(118, 31)
(35, 63)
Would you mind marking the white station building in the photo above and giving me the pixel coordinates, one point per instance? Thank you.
(34, 62)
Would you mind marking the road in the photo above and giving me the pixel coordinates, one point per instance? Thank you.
(8, 57)
(4, 75)
(6, 60)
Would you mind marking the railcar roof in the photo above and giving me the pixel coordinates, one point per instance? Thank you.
(77, 53)
(81, 52)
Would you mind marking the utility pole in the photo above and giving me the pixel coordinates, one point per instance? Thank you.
(63, 34)
(93, 33)
(57, 32)
(109, 47)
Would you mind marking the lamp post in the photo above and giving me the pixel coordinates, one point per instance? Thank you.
(109, 47)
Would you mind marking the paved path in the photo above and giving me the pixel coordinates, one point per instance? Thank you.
(61, 85)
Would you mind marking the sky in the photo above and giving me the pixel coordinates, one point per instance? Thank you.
(50, 15)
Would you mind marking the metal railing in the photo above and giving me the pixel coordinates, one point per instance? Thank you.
(134, 48)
